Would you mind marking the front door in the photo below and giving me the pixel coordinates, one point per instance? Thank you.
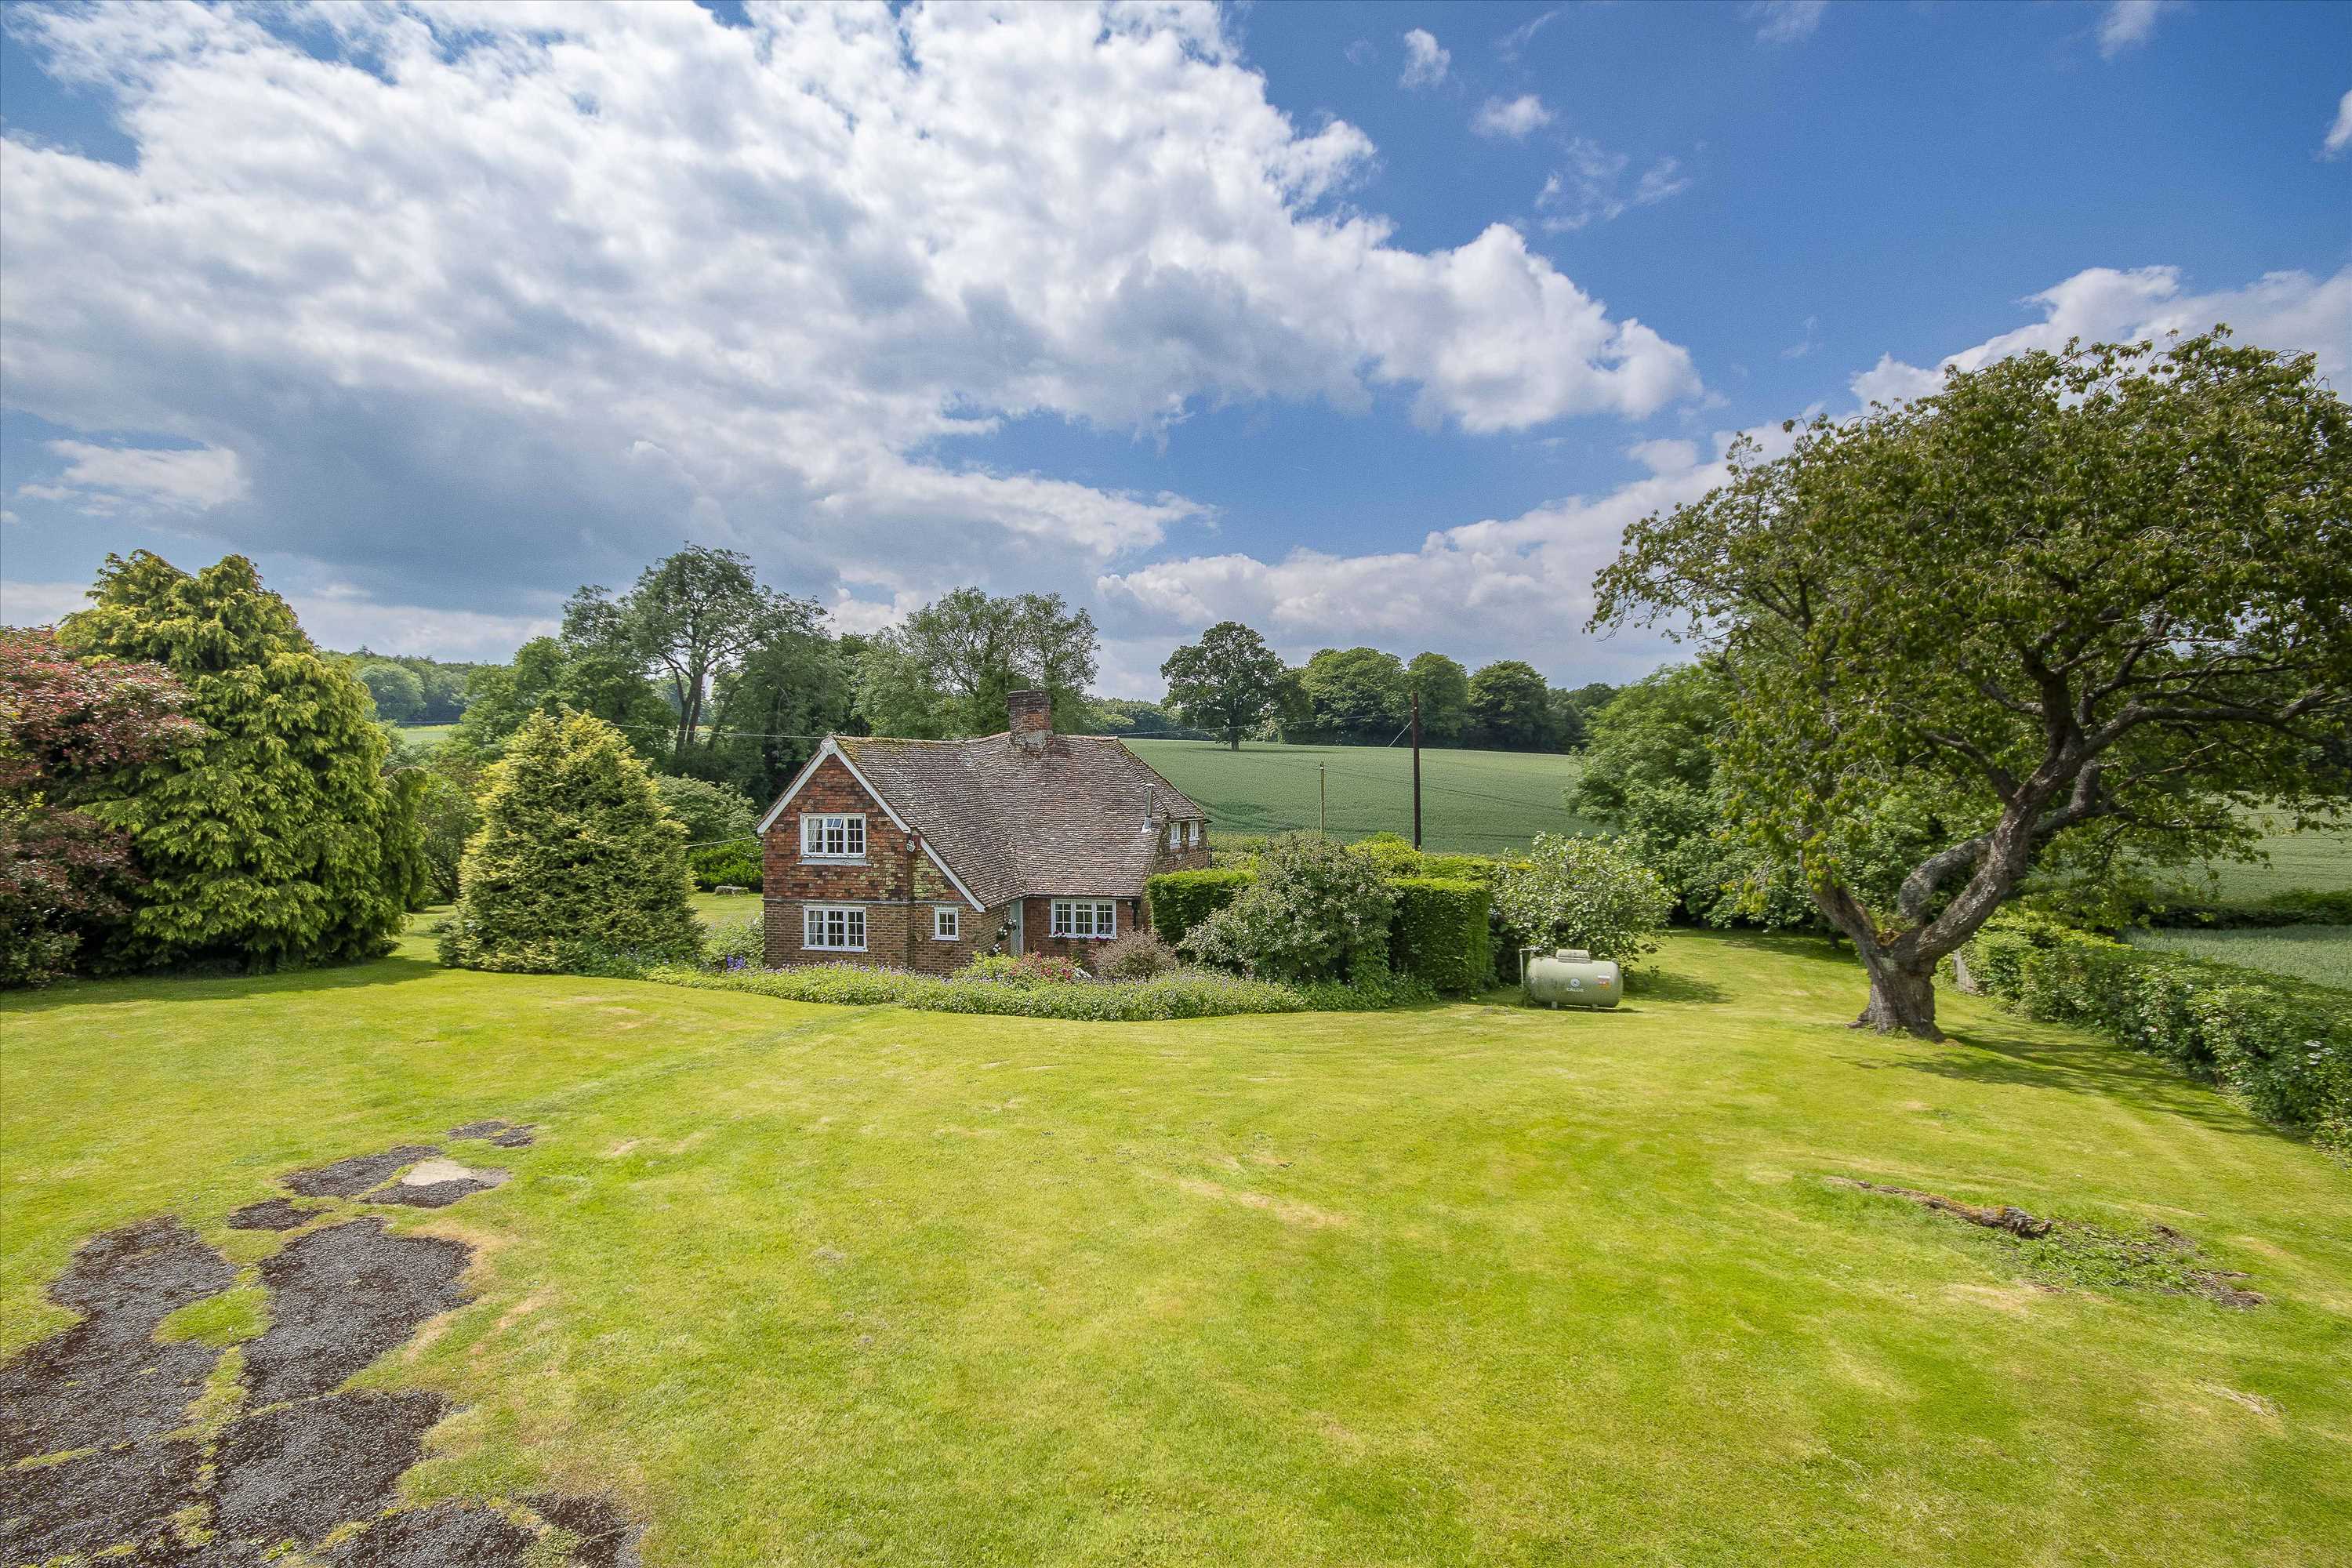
(1012, 931)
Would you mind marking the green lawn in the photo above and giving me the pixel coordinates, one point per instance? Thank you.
(1474, 802)
(2323, 953)
(1474, 1284)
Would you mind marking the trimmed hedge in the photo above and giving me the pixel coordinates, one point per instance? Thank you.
(1182, 899)
(1440, 934)
(1440, 937)
(2282, 1045)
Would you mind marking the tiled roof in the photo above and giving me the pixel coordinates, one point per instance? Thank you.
(1065, 816)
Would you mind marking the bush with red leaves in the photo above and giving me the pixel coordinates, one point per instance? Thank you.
(68, 727)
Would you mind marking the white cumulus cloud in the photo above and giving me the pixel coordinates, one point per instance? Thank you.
(1425, 60)
(1511, 118)
(511, 297)
(1522, 587)
(2339, 135)
(2291, 311)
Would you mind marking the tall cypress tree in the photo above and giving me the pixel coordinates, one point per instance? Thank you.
(575, 863)
(262, 841)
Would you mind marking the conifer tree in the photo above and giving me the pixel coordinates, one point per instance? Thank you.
(262, 842)
(575, 864)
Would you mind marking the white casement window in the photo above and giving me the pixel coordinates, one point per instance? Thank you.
(839, 836)
(838, 927)
(1175, 836)
(1193, 831)
(1087, 919)
(947, 924)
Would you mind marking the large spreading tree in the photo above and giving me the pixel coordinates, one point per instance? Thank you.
(2089, 607)
(1229, 683)
(949, 669)
(272, 840)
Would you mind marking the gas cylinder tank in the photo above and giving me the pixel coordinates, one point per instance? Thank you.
(1570, 976)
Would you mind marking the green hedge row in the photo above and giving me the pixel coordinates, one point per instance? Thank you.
(724, 866)
(1439, 937)
(1440, 934)
(2284, 1047)
(2300, 907)
(1182, 899)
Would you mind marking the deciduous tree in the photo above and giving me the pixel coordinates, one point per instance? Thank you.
(1510, 708)
(1444, 687)
(2090, 604)
(1227, 683)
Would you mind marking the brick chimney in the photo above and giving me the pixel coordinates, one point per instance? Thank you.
(1030, 718)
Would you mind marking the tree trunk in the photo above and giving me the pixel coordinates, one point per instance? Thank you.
(1902, 996)
(1902, 979)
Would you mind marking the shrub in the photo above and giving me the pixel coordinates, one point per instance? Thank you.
(1135, 955)
(736, 944)
(1440, 934)
(68, 731)
(1182, 899)
(576, 864)
(262, 842)
(1319, 911)
(724, 866)
(1026, 969)
(712, 814)
(2284, 1046)
(1584, 892)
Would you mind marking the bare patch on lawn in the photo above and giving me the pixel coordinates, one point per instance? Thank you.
(86, 1411)
(1288, 1210)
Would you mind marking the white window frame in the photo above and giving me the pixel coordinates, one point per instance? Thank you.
(947, 923)
(819, 829)
(818, 925)
(1175, 834)
(1193, 832)
(1102, 918)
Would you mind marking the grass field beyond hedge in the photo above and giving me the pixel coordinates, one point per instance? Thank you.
(1471, 1284)
(1472, 802)
(2321, 953)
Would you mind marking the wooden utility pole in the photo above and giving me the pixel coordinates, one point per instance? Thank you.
(1322, 803)
(1416, 770)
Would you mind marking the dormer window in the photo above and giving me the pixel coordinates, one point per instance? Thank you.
(835, 836)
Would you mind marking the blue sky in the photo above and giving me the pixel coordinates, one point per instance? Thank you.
(1357, 322)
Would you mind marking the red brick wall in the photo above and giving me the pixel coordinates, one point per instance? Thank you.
(1037, 915)
(897, 883)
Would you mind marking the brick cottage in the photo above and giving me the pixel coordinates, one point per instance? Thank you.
(920, 854)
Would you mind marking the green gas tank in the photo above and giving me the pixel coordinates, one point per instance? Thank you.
(1570, 976)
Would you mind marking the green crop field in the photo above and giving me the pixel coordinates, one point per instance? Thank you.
(1472, 802)
(2317, 861)
(2321, 953)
